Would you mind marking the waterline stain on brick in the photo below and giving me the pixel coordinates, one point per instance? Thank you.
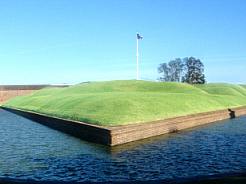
(117, 135)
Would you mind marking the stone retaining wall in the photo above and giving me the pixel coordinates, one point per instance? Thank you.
(81, 130)
(10, 91)
(123, 134)
(128, 133)
(8, 94)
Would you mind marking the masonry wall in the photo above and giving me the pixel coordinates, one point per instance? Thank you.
(91, 133)
(127, 133)
(10, 91)
(8, 94)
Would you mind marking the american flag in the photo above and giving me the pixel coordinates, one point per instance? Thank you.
(139, 37)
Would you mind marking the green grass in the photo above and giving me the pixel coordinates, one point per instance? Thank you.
(125, 102)
(244, 86)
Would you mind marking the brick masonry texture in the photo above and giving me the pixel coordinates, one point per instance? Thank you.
(117, 135)
(8, 94)
(10, 91)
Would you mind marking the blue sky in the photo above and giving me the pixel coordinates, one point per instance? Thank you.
(70, 41)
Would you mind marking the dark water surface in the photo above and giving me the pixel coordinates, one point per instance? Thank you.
(29, 150)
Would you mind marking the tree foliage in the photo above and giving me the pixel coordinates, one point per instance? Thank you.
(189, 70)
(171, 71)
(194, 71)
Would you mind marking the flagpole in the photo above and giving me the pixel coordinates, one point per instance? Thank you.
(137, 60)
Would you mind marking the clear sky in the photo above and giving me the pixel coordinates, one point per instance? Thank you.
(70, 41)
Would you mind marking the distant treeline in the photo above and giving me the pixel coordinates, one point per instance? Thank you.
(189, 70)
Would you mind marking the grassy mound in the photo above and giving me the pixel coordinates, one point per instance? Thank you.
(244, 86)
(125, 102)
(223, 89)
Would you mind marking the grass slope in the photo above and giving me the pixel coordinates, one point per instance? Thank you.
(125, 102)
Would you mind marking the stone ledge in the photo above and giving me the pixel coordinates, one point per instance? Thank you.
(117, 135)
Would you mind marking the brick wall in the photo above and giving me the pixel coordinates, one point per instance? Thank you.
(8, 94)
(127, 133)
(10, 91)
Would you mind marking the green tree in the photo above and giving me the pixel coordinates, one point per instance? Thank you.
(194, 71)
(171, 71)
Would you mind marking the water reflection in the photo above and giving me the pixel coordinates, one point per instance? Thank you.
(32, 151)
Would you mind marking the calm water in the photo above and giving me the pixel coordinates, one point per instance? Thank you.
(32, 151)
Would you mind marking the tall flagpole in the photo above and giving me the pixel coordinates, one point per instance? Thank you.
(138, 38)
(137, 60)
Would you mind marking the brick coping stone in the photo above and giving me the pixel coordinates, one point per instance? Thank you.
(117, 135)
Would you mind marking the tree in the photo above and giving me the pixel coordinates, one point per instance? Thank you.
(165, 70)
(194, 71)
(176, 68)
(189, 70)
(171, 71)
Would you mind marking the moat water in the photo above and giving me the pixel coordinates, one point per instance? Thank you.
(32, 151)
